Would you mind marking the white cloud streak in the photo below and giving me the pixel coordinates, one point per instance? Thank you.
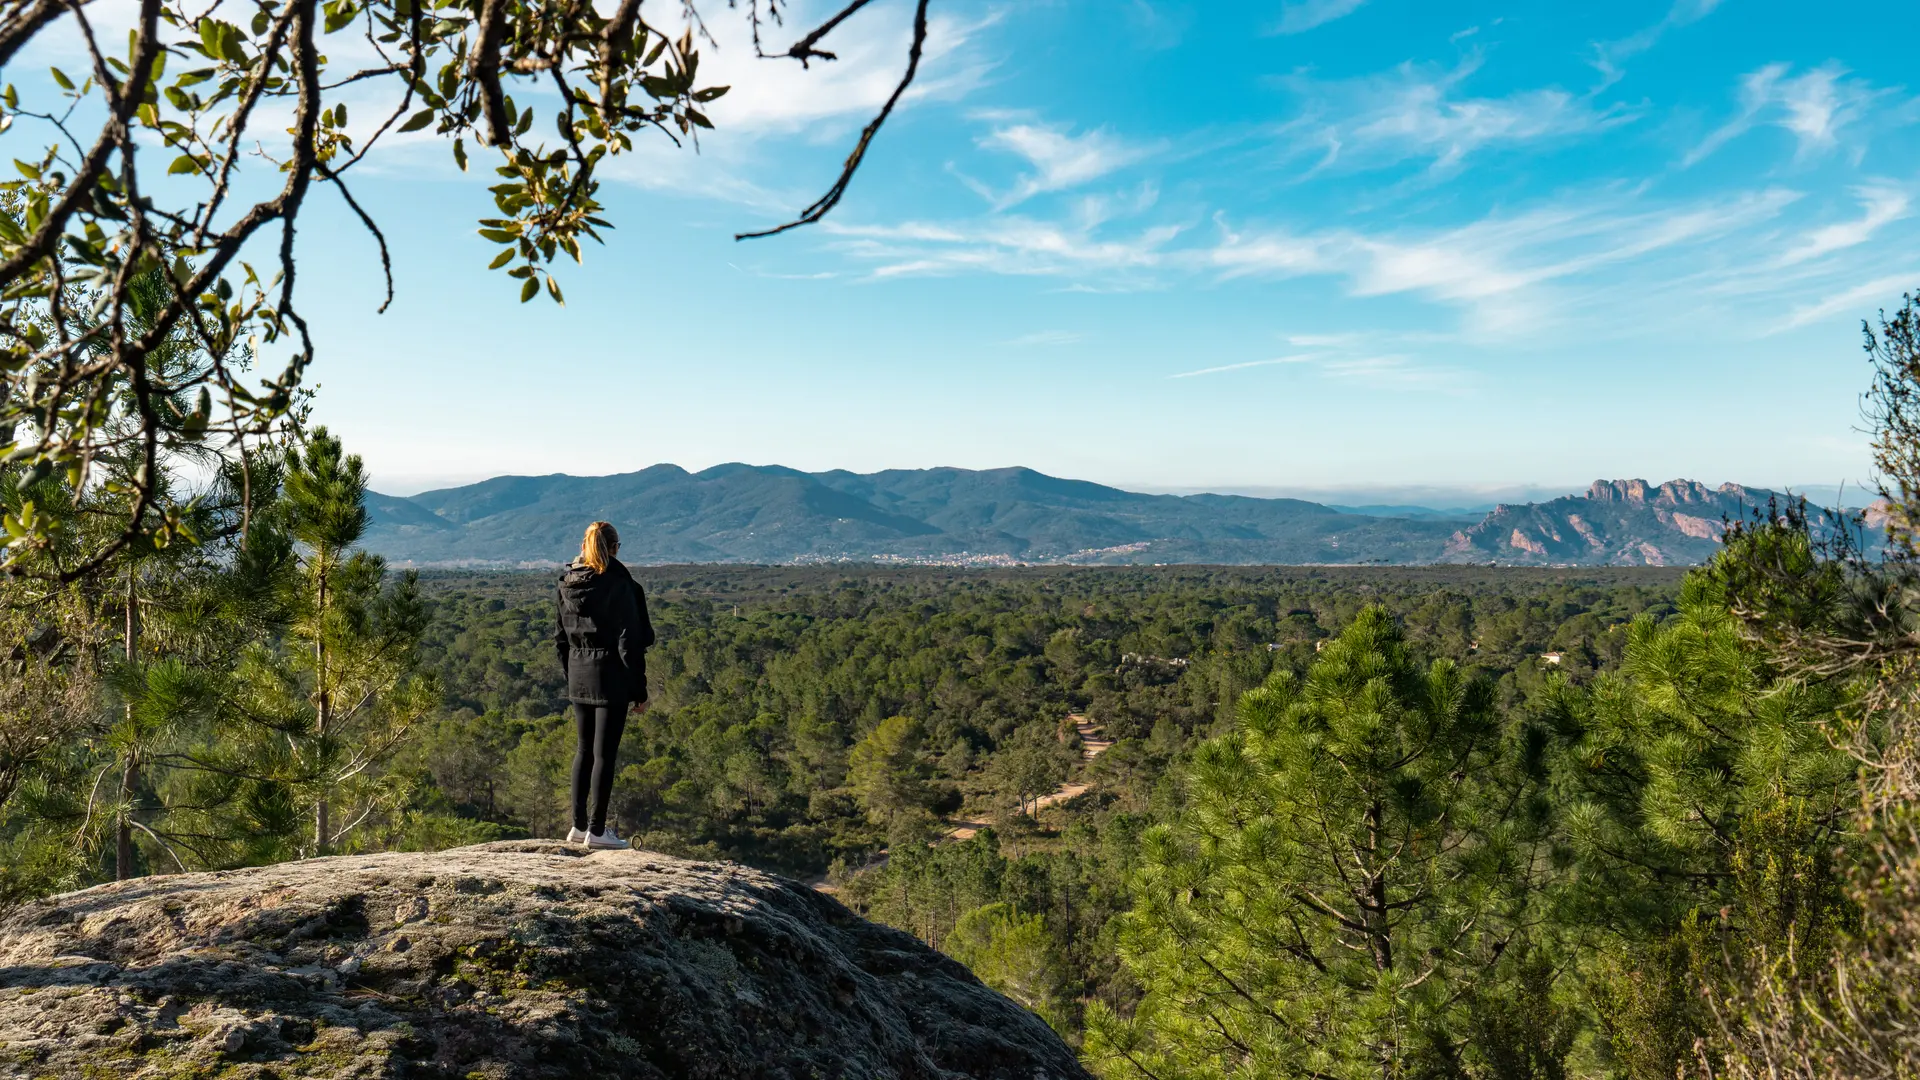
(1302, 359)
(1815, 107)
(1393, 373)
(1301, 16)
(1046, 337)
(1493, 269)
(1379, 372)
(1003, 244)
(1858, 301)
(1414, 112)
(1059, 159)
(1608, 55)
(1880, 205)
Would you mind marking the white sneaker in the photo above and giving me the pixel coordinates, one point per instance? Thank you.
(606, 841)
(576, 836)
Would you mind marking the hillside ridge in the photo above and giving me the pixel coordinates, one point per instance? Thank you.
(737, 512)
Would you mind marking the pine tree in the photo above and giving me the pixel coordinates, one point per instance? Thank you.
(887, 772)
(1703, 799)
(1013, 953)
(1028, 765)
(1356, 860)
(347, 688)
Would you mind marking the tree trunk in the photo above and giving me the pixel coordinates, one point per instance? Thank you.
(123, 828)
(130, 768)
(1374, 912)
(322, 699)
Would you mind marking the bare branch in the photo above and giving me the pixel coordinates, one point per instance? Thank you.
(831, 199)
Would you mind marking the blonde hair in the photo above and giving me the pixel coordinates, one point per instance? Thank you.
(598, 546)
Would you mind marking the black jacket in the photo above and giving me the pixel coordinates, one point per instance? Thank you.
(603, 636)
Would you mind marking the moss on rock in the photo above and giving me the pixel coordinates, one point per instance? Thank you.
(524, 959)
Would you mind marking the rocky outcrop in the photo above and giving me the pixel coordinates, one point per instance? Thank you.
(1622, 522)
(523, 959)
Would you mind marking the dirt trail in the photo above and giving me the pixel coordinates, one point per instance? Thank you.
(1093, 742)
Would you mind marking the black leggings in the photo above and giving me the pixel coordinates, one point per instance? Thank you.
(597, 758)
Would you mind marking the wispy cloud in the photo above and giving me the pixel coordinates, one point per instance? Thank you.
(1046, 337)
(1302, 359)
(1880, 205)
(1494, 269)
(1608, 55)
(1059, 159)
(1393, 373)
(1381, 372)
(1300, 16)
(1158, 26)
(1592, 254)
(1858, 300)
(1416, 112)
(1815, 107)
(1008, 244)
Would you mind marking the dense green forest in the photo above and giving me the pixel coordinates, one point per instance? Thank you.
(1313, 822)
(768, 682)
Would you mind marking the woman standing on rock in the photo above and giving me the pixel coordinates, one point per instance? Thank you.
(602, 641)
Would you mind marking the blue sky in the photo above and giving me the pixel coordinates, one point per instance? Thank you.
(1329, 246)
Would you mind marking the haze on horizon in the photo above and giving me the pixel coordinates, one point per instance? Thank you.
(1336, 247)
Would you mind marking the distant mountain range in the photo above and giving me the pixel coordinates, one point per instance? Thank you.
(772, 514)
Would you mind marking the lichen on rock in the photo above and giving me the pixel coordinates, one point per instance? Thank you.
(521, 959)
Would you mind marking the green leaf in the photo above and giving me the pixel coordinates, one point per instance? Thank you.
(183, 164)
(210, 37)
(499, 236)
(339, 14)
(501, 259)
(61, 78)
(529, 290)
(419, 120)
(695, 116)
(230, 44)
(554, 288)
(710, 93)
(460, 154)
(260, 22)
